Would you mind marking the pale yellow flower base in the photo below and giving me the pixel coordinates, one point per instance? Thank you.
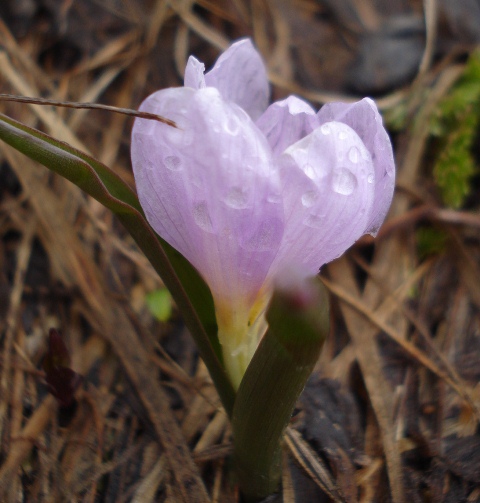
(239, 332)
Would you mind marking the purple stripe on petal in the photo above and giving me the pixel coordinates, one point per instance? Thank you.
(363, 117)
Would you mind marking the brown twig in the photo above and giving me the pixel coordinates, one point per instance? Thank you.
(87, 106)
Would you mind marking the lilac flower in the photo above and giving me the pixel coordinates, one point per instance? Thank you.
(245, 190)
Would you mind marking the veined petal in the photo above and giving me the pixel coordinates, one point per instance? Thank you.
(240, 76)
(194, 74)
(363, 117)
(328, 194)
(210, 188)
(285, 122)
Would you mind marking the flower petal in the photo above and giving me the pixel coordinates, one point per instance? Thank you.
(240, 76)
(210, 188)
(194, 74)
(328, 193)
(363, 117)
(285, 122)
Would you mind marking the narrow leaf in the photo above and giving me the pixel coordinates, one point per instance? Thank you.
(188, 289)
(298, 325)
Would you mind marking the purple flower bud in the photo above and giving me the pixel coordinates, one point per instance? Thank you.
(244, 191)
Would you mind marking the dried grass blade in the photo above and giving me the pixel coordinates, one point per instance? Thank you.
(307, 459)
(87, 106)
(368, 356)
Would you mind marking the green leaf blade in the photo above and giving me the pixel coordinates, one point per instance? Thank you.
(272, 384)
(188, 289)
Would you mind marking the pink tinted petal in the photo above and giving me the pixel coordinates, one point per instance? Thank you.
(363, 117)
(328, 193)
(194, 74)
(240, 76)
(285, 122)
(210, 188)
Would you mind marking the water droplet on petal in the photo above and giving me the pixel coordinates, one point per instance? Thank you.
(237, 198)
(231, 126)
(370, 178)
(354, 155)
(309, 171)
(314, 221)
(344, 181)
(173, 163)
(265, 237)
(274, 198)
(309, 198)
(342, 135)
(325, 129)
(202, 217)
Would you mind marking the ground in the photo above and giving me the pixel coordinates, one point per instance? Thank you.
(391, 412)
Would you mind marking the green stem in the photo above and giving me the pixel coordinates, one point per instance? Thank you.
(298, 321)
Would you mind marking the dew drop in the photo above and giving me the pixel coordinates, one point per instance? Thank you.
(370, 178)
(325, 129)
(231, 126)
(344, 181)
(309, 171)
(309, 198)
(265, 237)
(274, 198)
(314, 221)
(342, 135)
(173, 163)
(202, 217)
(237, 198)
(354, 155)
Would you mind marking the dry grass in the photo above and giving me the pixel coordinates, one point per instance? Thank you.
(397, 384)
